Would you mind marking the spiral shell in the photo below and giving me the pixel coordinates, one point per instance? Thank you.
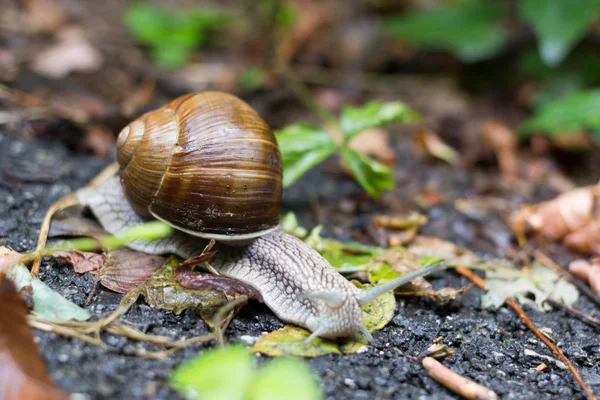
(206, 164)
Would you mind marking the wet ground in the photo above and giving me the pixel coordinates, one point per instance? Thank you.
(490, 344)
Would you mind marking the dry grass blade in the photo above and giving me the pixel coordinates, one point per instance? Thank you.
(576, 313)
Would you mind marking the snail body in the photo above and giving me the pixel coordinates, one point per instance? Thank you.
(208, 165)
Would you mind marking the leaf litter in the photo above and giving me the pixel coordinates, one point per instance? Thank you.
(23, 373)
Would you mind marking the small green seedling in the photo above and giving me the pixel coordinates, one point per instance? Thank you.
(304, 146)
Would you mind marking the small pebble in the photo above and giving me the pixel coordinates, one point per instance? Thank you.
(62, 357)
(250, 340)
(350, 383)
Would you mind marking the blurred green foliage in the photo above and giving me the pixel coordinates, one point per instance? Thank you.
(477, 30)
(559, 24)
(570, 114)
(304, 146)
(170, 34)
(469, 29)
(230, 374)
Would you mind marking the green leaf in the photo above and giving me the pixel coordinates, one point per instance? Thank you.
(469, 29)
(570, 114)
(216, 374)
(47, 303)
(345, 257)
(372, 176)
(559, 24)
(578, 71)
(302, 147)
(374, 114)
(285, 378)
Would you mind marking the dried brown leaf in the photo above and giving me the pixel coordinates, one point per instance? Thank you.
(71, 223)
(503, 141)
(43, 16)
(204, 281)
(589, 271)
(100, 140)
(569, 217)
(431, 144)
(435, 247)
(8, 258)
(23, 374)
(125, 270)
(71, 53)
(82, 261)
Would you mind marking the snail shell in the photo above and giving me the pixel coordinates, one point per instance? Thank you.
(206, 164)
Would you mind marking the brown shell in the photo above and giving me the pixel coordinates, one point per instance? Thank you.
(205, 163)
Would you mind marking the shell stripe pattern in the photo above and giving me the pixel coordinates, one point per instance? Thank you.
(206, 163)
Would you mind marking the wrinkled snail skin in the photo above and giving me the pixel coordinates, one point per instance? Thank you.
(208, 165)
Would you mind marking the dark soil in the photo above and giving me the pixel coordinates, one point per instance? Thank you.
(490, 344)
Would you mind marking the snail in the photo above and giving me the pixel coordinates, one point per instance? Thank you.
(208, 165)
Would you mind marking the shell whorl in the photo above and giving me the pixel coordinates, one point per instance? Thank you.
(205, 163)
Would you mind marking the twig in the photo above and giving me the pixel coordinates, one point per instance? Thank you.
(582, 286)
(455, 382)
(517, 309)
(594, 322)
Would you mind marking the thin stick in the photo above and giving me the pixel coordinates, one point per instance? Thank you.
(594, 322)
(519, 311)
(61, 204)
(582, 286)
(455, 382)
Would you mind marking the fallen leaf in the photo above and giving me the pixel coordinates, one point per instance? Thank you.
(192, 280)
(383, 272)
(588, 271)
(570, 217)
(289, 340)
(427, 246)
(530, 286)
(340, 254)
(71, 223)
(99, 140)
(47, 303)
(43, 16)
(163, 291)
(82, 261)
(503, 141)
(72, 52)
(399, 230)
(8, 258)
(399, 222)
(125, 270)
(374, 142)
(23, 374)
(431, 144)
